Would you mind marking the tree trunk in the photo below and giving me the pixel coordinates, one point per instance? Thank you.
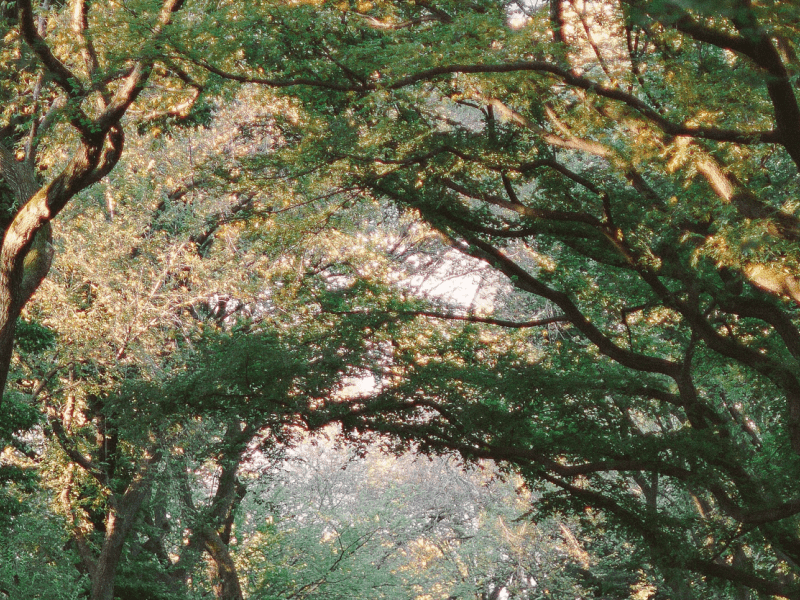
(23, 268)
(119, 523)
(213, 533)
(217, 534)
(226, 580)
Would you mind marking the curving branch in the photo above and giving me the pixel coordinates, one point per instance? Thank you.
(73, 453)
(98, 152)
(612, 93)
(132, 85)
(756, 44)
(654, 536)
(59, 72)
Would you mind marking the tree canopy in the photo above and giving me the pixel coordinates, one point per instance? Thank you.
(634, 167)
(624, 172)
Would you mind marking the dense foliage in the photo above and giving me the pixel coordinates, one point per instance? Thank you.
(631, 165)
(622, 174)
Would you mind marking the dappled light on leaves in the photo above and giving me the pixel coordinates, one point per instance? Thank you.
(551, 248)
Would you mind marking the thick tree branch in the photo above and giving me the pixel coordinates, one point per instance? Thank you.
(130, 88)
(756, 44)
(523, 280)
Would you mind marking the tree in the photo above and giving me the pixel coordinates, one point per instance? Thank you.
(634, 167)
(66, 90)
(161, 401)
(173, 374)
(629, 169)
